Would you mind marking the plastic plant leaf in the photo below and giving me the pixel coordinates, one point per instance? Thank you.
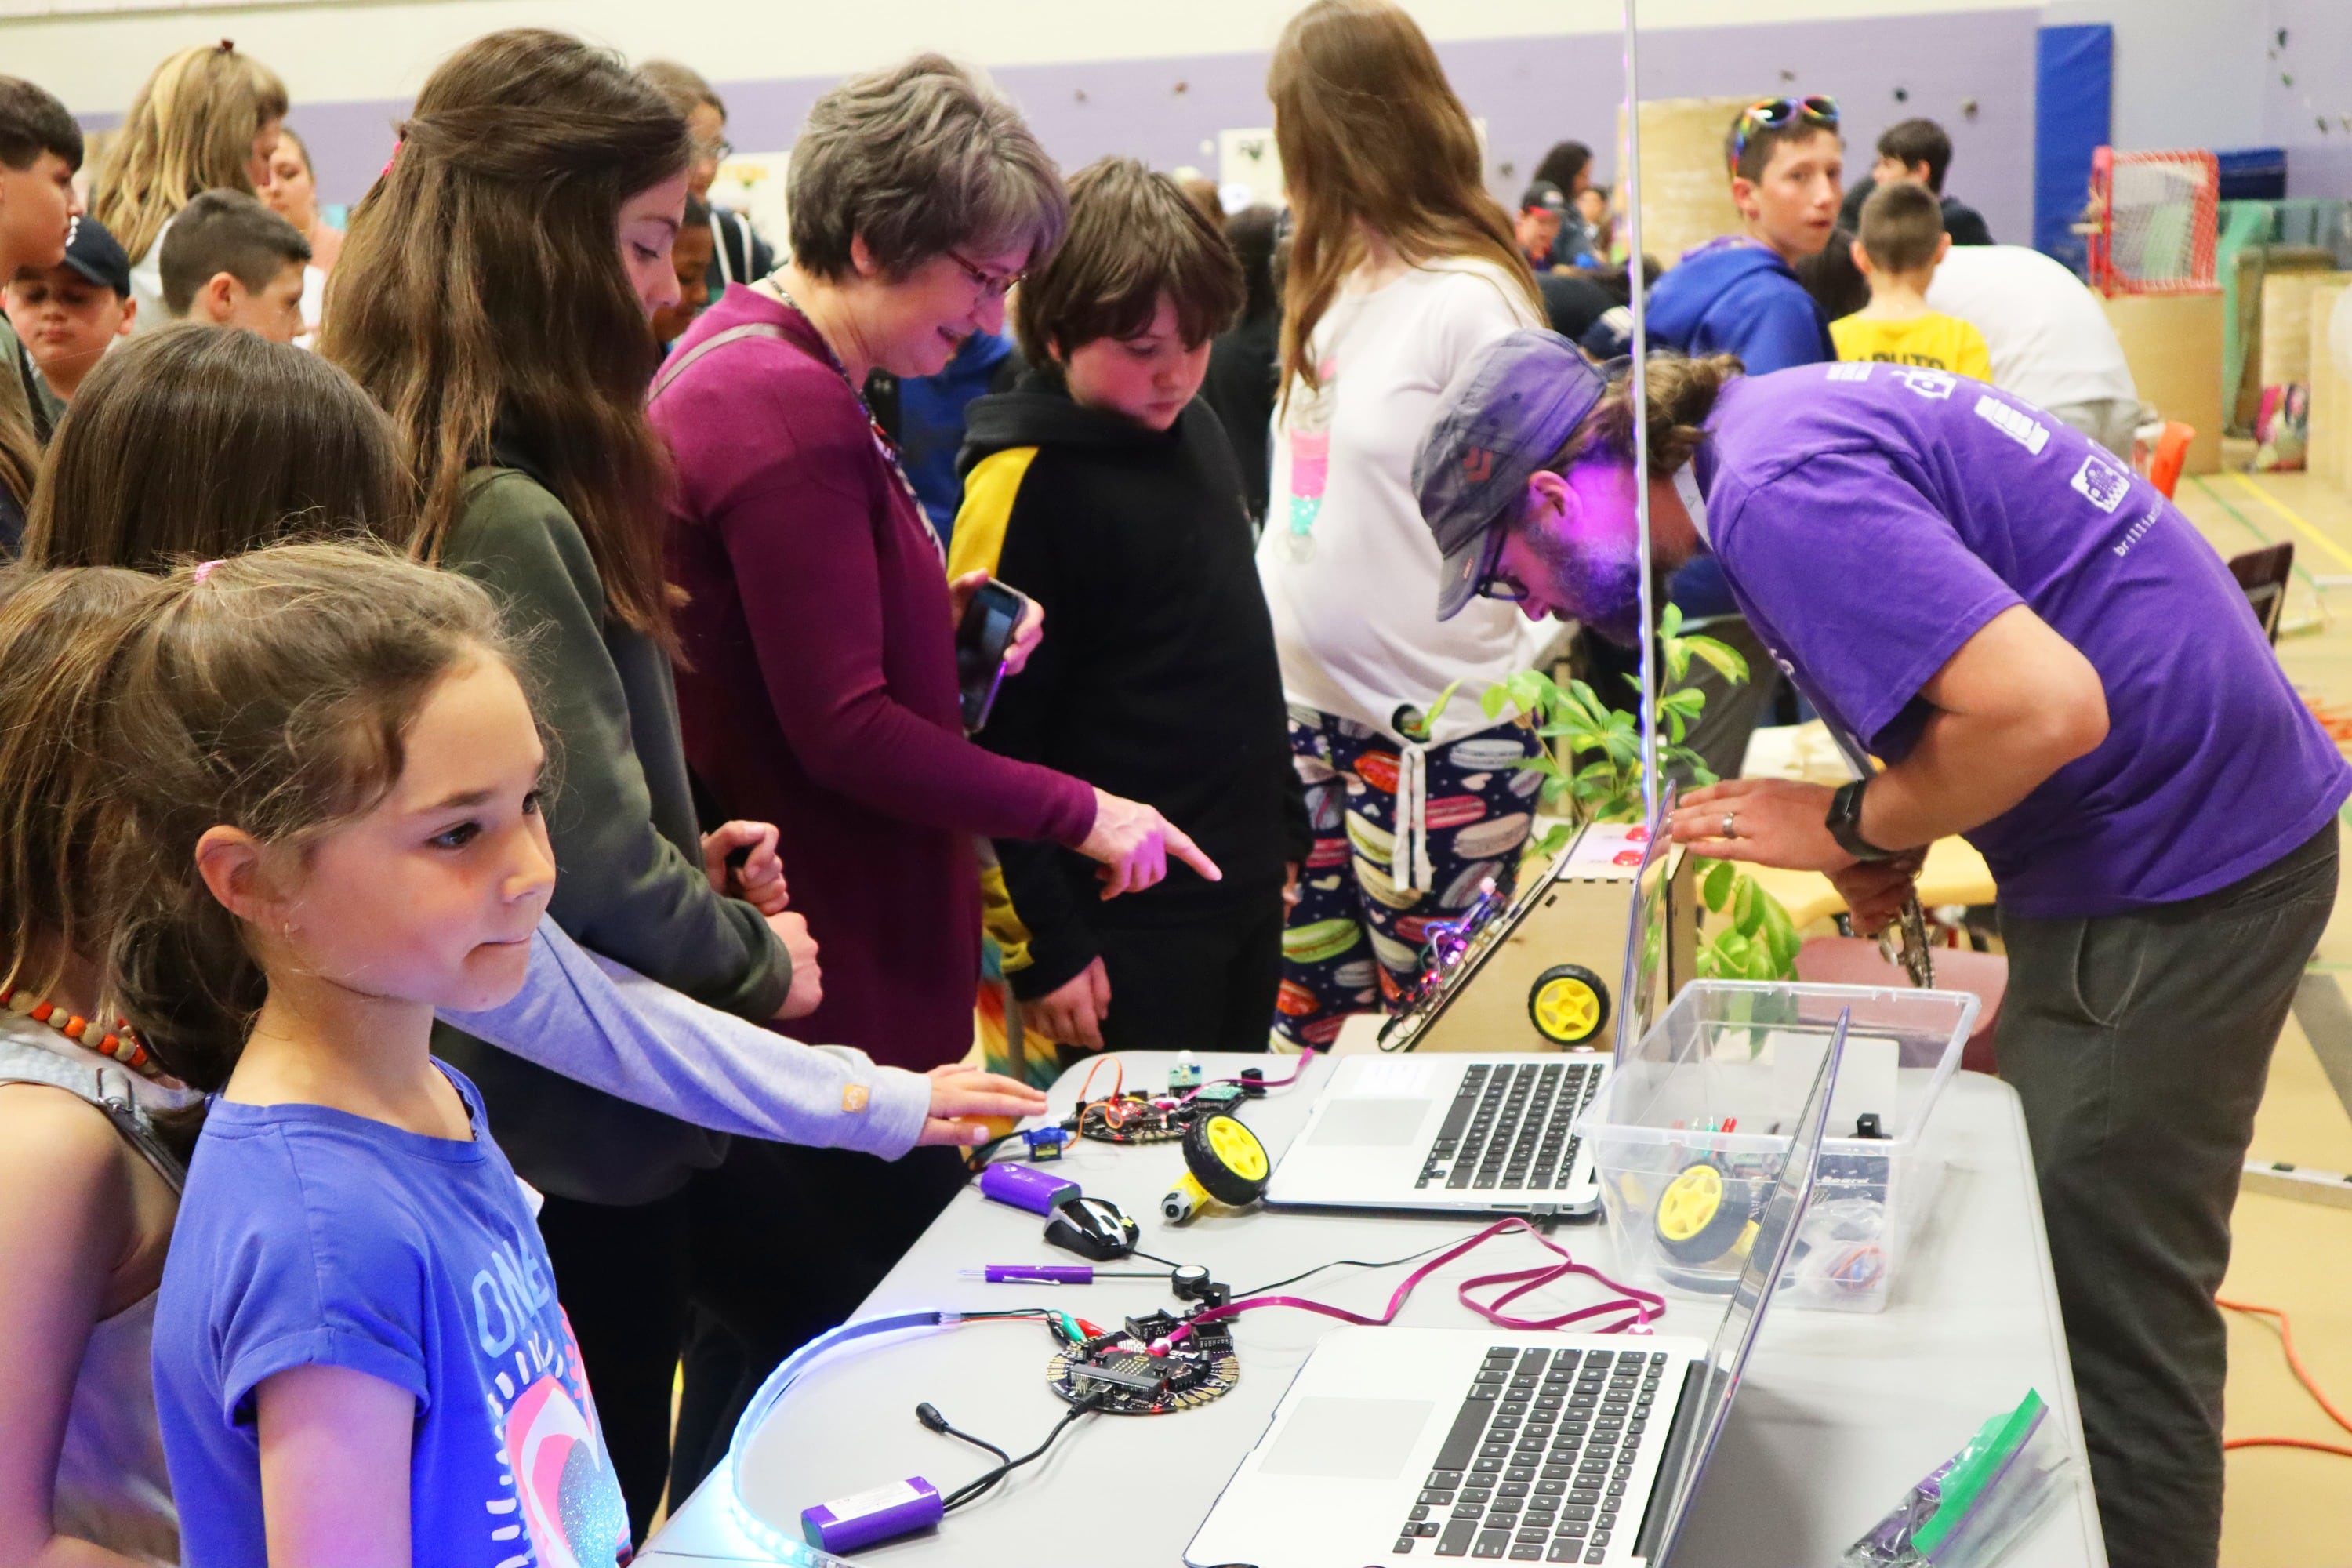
(1430, 722)
(1714, 887)
(1745, 912)
(1728, 662)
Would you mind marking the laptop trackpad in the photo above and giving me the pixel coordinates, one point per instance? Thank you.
(1369, 1123)
(1348, 1439)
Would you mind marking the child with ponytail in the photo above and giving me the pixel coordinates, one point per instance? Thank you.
(88, 1187)
(327, 778)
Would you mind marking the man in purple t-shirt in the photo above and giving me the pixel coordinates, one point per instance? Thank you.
(2051, 663)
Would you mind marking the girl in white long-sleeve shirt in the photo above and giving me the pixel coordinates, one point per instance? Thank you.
(1402, 267)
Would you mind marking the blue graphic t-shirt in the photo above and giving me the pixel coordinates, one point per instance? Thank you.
(309, 1236)
(1871, 518)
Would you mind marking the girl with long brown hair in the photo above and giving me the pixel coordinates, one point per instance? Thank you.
(1400, 265)
(88, 1188)
(206, 119)
(493, 297)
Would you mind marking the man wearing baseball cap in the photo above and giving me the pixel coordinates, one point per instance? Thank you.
(2053, 664)
(1542, 209)
(69, 315)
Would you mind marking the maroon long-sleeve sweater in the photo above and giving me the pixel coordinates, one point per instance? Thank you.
(819, 686)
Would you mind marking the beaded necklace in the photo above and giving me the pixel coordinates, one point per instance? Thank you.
(123, 1048)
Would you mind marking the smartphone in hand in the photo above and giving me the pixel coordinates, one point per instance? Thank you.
(989, 622)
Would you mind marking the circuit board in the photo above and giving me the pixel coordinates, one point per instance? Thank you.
(1158, 1364)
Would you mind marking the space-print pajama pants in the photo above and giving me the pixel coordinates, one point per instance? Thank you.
(1376, 877)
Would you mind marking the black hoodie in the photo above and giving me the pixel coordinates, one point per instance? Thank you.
(1156, 678)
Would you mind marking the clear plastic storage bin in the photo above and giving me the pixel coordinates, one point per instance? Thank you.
(1718, 1081)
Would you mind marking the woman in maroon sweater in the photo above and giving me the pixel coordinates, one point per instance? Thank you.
(819, 688)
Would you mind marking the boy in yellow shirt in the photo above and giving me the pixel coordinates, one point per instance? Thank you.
(1902, 242)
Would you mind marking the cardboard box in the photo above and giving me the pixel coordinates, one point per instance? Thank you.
(2328, 455)
(2173, 343)
(1685, 186)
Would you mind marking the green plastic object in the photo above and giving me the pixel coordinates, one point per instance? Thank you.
(1987, 1456)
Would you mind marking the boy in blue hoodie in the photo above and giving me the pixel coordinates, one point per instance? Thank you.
(1739, 295)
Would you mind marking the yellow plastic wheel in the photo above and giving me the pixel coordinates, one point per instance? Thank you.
(1699, 1218)
(1227, 1158)
(1568, 1003)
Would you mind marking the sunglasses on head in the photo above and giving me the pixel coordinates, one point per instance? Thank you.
(1773, 113)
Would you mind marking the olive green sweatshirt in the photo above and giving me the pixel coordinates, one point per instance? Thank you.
(620, 814)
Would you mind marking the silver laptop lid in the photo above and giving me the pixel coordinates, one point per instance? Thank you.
(1643, 926)
(1768, 1258)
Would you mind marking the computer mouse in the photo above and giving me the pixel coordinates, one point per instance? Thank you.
(1094, 1228)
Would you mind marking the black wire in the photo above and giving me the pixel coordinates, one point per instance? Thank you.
(1153, 1257)
(971, 1489)
(1343, 1263)
(953, 1431)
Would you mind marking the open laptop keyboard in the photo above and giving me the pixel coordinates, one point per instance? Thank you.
(1509, 1127)
(1534, 1467)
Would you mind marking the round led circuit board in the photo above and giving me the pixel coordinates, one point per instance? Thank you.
(1145, 1384)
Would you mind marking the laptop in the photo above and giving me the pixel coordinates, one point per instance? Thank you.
(1393, 1447)
(1481, 1133)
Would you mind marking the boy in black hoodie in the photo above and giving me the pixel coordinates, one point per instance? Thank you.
(1104, 490)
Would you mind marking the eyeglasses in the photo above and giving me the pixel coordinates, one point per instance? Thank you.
(1500, 584)
(1771, 113)
(1495, 582)
(718, 150)
(993, 287)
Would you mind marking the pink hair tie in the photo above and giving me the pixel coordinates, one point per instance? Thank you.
(205, 570)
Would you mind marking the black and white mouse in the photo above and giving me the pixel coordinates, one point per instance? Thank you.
(1094, 1228)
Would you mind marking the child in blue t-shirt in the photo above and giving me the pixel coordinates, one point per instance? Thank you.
(331, 828)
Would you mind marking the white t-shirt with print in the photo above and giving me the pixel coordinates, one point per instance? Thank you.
(2050, 342)
(1350, 569)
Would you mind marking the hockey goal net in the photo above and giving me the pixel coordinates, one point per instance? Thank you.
(2153, 221)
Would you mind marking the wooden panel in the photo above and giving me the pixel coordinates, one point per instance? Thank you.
(2173, 343)
(2329, 454)
(2286, 324)
(1579, 921)
(1686, 184)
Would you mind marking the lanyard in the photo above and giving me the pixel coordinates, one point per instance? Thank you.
(882, 442)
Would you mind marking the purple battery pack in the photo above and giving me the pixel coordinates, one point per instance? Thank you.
(1026, 1187)
(879, 1513)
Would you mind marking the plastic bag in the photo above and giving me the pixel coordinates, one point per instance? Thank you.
(1971, 1508)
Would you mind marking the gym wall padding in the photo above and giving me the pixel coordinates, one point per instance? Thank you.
(2073, 110)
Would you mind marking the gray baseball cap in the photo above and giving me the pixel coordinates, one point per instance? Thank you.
(1506, 415)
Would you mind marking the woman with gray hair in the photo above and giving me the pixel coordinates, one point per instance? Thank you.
(819, 688)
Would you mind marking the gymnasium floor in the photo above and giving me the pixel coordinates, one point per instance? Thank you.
(2291, 1508)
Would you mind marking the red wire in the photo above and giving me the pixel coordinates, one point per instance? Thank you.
(1643, 1304)
(2301, 1376)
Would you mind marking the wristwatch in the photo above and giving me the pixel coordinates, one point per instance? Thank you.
(1845, 823)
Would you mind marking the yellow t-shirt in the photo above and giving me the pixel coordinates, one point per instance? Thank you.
(1934, 340)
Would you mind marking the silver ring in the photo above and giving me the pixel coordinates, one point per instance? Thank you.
(1727, 833)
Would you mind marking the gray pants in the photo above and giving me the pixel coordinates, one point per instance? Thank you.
(2140, 1045)
(2110, 421)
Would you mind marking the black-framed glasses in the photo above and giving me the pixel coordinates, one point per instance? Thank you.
(1500, 584)
(1494, 580)
(1771, 113)
(995, 288)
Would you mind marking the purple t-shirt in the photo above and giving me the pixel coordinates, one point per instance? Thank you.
(1872, 517)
